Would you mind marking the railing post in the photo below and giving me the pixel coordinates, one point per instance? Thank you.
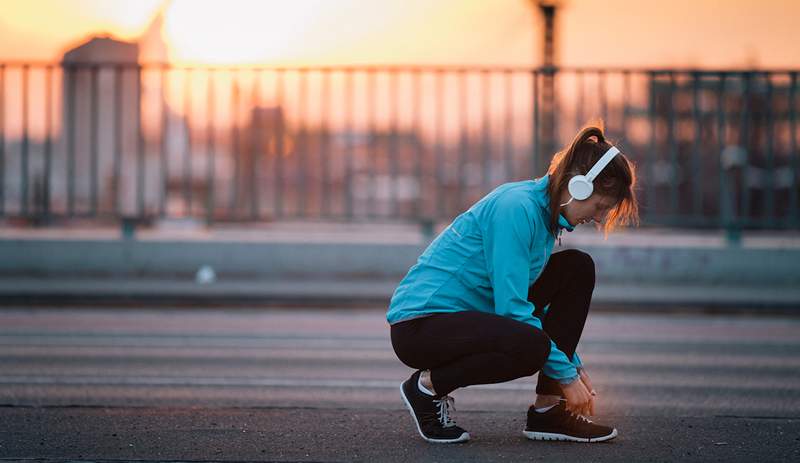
(427, 228)
(128, 227)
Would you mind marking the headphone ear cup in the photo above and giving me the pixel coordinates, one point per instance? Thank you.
(580, 187)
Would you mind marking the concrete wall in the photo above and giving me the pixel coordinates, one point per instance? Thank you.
(132, 258)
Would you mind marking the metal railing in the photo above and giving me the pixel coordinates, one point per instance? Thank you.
(714, 149)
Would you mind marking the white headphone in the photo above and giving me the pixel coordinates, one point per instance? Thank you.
(580, 186)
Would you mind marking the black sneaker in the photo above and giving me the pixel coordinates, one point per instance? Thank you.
(560, 424)
(431, 414)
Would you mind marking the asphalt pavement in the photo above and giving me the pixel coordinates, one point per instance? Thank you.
(206, 384)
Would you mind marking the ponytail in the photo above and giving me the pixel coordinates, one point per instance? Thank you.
(617, 180)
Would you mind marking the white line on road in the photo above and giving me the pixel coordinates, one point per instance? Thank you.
(525, 384)
(787, 359)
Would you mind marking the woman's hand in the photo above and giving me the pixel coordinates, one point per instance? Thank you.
(579, 399)
(586, 381)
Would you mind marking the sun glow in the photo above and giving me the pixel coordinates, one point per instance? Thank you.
(239, 31)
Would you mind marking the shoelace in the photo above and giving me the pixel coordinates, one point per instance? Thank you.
(580, 418)
(575, 416)
(444, 404)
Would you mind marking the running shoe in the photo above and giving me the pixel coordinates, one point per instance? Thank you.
(431, 414)
(560, 424)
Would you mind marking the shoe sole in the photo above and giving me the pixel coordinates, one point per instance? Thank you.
(532, 435)
(462, 438)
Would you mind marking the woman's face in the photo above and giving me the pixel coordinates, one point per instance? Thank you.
(595, 208)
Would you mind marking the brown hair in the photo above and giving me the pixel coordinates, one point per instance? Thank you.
(617, 180)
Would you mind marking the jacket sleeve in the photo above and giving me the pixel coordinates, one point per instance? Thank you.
(507, 241)
(576, 360)
(558, 366)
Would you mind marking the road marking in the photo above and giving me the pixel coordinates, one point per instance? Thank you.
(784, 385)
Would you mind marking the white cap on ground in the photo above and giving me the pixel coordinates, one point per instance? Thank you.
(205, 275)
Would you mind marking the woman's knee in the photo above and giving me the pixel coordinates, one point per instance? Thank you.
(579, 263)
(405, 346)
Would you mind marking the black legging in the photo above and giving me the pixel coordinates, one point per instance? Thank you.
(471, 347)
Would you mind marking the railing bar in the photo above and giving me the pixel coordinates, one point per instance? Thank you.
(2, 139)
(419, 144)
(371, 149)
(277, 127)
(697, 169)
(535, 137)
(626, 98)
(72, 75)
(210, 148)
(581, 100)
(393, 152)
(164, 133)
(325, 111)
(439, 152)
(673, 148)
(651, 155)
(188, 161)
(769, 186)
(116, 136)
(724, 214)
(25, 168)
(94, 140)
(463, 138)
(746, 126)
(255, 146)
(237, 183)
(349, 102)
(48, 143)
(602, 91)
(406, 67)
(302, 145)
(486, 152)
(795, 190)
(140, 161)
(508, 128)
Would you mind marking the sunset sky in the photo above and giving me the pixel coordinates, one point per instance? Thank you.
(639, 33)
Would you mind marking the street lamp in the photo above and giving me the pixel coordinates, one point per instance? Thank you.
(547, 123)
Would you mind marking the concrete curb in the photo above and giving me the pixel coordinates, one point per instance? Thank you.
(118, 258)
(343, 293)
(344, 272)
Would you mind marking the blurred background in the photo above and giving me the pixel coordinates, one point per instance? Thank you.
(180, 123)
(211, 203)
(390, 111)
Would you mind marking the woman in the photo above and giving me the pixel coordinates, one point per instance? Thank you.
(487, 303)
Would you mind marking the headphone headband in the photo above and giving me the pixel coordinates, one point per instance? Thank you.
(580, 186)
(602, 163)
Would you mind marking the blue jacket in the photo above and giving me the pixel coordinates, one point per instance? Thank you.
(486, 260)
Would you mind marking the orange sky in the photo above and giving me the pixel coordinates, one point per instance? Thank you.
(703, 33)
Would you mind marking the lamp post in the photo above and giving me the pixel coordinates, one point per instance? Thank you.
(547, 129)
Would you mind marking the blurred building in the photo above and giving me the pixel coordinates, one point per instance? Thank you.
(100, 108)
(118, 128)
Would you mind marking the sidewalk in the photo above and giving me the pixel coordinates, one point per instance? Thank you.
(340, 264)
